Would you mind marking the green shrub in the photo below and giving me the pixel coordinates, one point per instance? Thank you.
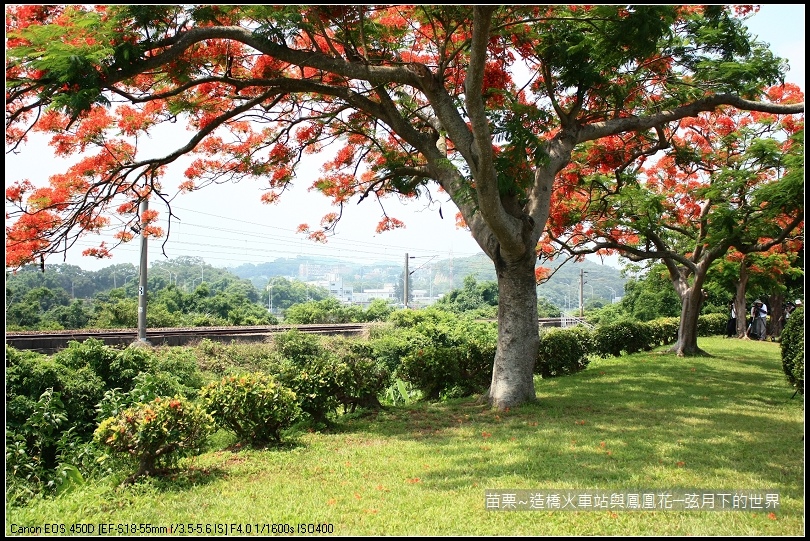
(92, 352)
(127, 364)
(146, 387)
(378, 310)
(391, 344)
(664, 330)
(156, 434)
(411, 318)
(361, 379)
(478, 359)
(441, 354)
(628, 336)
(28, 375)
(297, 346)
(212, 356)
(81, 390)
(316, 384)
(792, 344)
(564, 351)
(712, 324)
(431, 369)
(117, 368)
(256, 407)
(181, 363)
(36, 453)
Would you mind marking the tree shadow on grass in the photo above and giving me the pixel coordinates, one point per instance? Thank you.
(621, 424)
(183, 478)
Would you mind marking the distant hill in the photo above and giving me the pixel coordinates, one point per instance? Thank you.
(600, 282)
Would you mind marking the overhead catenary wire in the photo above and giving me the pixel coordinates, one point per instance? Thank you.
(275, 245)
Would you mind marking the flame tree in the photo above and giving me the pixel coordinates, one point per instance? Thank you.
(727, 182)
(483, 105)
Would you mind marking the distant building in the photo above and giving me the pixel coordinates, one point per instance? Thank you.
(334, 284)
(365, 297)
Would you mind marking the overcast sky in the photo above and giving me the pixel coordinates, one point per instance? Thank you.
(227, 225)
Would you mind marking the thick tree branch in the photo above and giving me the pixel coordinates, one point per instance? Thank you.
(506, 228)
(597, 130)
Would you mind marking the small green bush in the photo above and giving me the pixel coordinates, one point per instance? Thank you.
(127, 364)
(391, 344)
(622, 336)
(81, 390)
(297, 346)
(28, 375)
(255, 406)
(92, 352)
(146, 387)
(316, 383)
(432, 370)
(181, 363)
(664, 330)
(712, 324)
(564, 351)
(792, 344)
(156, 434)
(37, 453)
(361, 379)
(441, 354)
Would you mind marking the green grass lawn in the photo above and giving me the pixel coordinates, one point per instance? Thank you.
(651, 421)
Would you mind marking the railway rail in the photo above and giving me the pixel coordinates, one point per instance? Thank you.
(50, 342)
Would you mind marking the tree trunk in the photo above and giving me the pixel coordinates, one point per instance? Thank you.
(518, 334)
(739, 301)
(776, 314)
(691, 302)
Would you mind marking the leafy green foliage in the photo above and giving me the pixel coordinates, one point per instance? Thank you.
(116, 367)
(28, 375)
(297, 346)
(444, 355)
(664, 330)
(316, 382)
(81, 390)
(156, 434)
(362, 379)
(34, 457)
(623, 336)
(564, 351)
(472, 297)
(331, 310)
(711, 324)
(652, 296)
(792, 344)
(255, 406)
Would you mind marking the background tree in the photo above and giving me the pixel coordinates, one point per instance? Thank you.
(287, 293)
(484, 104)
(727, 179)
(651, 295)
(481, 298)
(776, 274)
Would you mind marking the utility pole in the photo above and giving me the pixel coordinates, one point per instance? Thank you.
(142, 280)
(405, 281)
(581, 284)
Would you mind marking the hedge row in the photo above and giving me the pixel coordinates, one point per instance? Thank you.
(792, 344)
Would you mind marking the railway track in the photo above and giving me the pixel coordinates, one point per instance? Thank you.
(50, 342)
